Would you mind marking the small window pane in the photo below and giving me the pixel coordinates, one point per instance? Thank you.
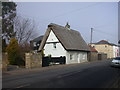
(54, 45)
(71, 57)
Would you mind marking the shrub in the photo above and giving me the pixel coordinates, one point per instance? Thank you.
(13, 51)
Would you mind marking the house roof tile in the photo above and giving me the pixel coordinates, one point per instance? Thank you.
(92, 49)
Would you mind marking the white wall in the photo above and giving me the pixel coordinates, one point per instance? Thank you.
(115, 51)
(77, 57)
(49, 48)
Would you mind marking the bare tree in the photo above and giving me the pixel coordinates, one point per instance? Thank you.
(24, 29)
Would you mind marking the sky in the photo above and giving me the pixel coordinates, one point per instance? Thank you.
(82, 16)
(119, 21)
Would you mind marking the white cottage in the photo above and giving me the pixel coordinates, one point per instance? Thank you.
(62, 41)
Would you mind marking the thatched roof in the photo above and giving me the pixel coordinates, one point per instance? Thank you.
(70, 39)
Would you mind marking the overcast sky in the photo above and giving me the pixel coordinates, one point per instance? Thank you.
(82, 16)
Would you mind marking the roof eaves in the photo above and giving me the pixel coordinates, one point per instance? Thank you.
(77, 50)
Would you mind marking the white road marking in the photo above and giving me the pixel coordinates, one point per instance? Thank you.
(23, 86)
(68, 74)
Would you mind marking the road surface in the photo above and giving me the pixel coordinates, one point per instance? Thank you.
(85, 75)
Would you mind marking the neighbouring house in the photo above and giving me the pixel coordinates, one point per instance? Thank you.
(119, 41)
(60, 41)
(112, 50)
(119, 46)
(35, 43)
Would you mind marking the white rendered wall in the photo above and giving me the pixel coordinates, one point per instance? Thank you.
(49, 48)
(115, 51)
(78, 57)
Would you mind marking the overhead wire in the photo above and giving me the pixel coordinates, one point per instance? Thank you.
(105, 33)
(76, 10)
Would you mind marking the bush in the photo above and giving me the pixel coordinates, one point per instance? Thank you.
(13, 51)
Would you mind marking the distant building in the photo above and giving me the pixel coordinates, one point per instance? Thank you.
(119, 45)
(112, 50)
(60, 41)
(35, 43)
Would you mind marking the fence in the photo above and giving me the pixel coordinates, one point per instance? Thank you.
(46, 61)
(102, 56)
(94, 56)
(33, 60)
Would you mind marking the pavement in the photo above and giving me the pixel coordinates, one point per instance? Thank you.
(19, 71)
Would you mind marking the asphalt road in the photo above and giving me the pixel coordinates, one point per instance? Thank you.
(85, 75)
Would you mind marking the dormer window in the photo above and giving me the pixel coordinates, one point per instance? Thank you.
(54, 45)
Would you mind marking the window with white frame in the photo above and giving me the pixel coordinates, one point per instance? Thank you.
(71, 57)
(54, 45)
(83, 56)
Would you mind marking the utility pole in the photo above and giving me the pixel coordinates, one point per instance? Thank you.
(91, 35)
